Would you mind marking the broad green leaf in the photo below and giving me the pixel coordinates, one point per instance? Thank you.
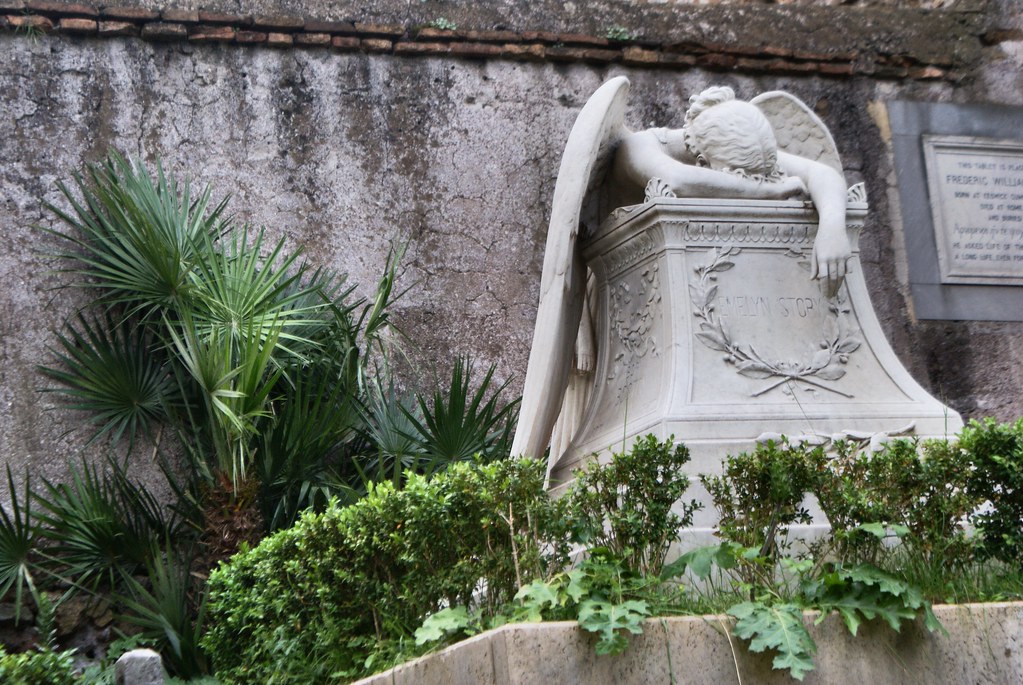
(931, 621)
(607, 619)
(780, 628)
(869, 603)
(700, 561)
(537, 595)
(444, 622)
(850, 617)
(576, 585)
(871, 575)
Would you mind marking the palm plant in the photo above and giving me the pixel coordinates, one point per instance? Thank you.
(170, 612)
(237, 290)
(134, 239)
(314, 428)
(116, 373)
(103, 526)
(393, 440)
(458, 423)
(258, 365)
(18, 538)
(234, 375)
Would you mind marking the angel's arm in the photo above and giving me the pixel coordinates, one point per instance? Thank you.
(641, 156)
(831, 250)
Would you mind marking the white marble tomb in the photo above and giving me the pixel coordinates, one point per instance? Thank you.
(705, 283)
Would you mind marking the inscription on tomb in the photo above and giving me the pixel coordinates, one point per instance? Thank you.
(789, 337)
(976, 193)
(759, 305)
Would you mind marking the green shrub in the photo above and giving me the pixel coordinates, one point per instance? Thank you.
(220, 345)
(760, 493)
(310, 603)
(627, 512)
(43, 667)
(256, 361)
(995, 452)
(632, 507)
(918, 489)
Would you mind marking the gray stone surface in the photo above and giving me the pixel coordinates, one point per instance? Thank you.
(984, 645)
(139, 667)
(343, 152)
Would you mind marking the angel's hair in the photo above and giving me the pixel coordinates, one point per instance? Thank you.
(734, 133)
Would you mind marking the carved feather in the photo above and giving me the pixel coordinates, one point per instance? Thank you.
(797, 129)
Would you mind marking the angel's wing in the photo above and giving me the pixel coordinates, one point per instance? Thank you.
(797, 129)
(597, 129)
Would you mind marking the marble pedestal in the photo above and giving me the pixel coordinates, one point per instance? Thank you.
(709, 328)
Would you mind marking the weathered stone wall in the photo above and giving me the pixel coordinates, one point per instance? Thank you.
(346, 136)
(980, 645)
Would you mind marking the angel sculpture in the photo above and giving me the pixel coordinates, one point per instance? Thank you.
(772, 147)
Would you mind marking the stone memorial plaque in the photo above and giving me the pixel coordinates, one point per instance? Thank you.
(976, 192)
(958, 168)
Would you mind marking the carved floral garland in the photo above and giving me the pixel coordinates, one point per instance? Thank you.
(824, 365)
(632, 319)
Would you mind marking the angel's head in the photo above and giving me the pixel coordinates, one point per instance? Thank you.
(730, 135)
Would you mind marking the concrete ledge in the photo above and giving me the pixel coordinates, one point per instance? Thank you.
(984, 645)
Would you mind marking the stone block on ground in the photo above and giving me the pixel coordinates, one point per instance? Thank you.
(139, 667)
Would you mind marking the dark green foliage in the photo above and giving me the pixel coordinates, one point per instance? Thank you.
(865, 592)
(18, 539)
(772, 617)
(919, 490)
(207, 325)
(117, 374)
(760, 494)
(394, 449)
(41, 667)
(995, 454)
(632, 507)
(104, 526)
(261, 369)
(310, 603)
(44, 665)
(869, 498)
(165, 613)
(605, 598)
(627, 512)
(458, 423)
(777, 627)
(301, 449)
(134, 239)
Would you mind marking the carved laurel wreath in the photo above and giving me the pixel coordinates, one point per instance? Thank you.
(826, 364)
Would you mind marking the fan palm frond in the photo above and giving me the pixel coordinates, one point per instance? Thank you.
(133, 237)
(116, 373)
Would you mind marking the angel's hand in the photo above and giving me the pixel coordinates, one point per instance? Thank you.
(786, 187)
(831, 253)
(584, 363)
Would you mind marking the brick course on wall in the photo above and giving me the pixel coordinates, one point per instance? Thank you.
(835, 58)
